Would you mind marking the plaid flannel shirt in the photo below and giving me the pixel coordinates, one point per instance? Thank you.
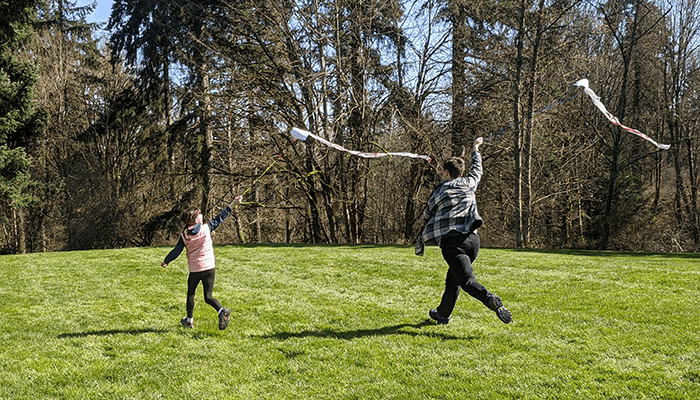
(452, 207)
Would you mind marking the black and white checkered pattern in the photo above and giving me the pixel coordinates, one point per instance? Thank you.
(452, 207)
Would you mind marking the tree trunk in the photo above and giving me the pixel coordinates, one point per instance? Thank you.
(693, 192)
(411, 213)
(172, 136)
(204, 114)
(459, 78)
(356, 121)
(517, 136)
(239, 227)
(258, 226)
(612, 180)
(616, 148)
(527, 166)
(20, 232)
(206, 155)
(314, 216)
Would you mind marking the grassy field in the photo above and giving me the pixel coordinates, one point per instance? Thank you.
(349, 322)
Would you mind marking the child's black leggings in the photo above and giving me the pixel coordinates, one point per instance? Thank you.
(207, 278)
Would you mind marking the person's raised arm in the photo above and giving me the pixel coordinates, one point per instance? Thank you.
(224, 213)
(478, 142)
(476, 170)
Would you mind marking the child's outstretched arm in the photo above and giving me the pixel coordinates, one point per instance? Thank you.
(224, 213)
(174, 253)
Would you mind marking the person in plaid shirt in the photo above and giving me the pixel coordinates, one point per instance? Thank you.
(452, 219)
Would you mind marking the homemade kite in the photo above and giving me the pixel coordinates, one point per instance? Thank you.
(302, 135)
(596, 100)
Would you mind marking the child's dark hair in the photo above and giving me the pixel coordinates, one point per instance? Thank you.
(455, 166)
(188, 217)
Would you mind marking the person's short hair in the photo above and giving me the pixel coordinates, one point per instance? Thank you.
(189, 217)
(455, 166)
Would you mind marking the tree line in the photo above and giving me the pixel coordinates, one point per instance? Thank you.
(108, 132)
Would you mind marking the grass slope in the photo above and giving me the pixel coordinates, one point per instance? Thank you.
(349, 322)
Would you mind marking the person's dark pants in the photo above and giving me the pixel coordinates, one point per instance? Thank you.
(460, 252)
(207, 279)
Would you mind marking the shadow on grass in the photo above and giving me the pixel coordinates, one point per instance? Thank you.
(110, 332)
(360, 333)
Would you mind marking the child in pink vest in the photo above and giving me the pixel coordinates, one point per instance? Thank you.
(196, 238)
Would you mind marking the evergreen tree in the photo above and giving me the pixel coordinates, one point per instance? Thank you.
(20, 120)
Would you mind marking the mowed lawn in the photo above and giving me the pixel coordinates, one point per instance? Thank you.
(349, 322)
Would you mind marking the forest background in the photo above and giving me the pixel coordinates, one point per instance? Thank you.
(108, 132)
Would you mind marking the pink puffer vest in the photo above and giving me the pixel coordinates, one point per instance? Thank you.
(200, 250)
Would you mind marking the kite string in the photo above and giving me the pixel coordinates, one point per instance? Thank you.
(551, 105)
(252, 184)
(258, 178)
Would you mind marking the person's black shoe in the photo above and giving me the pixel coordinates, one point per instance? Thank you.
(186, 323)
(438, 318)
(223, 318)
(495, 303)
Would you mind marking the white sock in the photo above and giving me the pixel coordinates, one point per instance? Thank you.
(219, 312)
(190, 320)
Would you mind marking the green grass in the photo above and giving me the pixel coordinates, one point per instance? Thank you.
(349, 322)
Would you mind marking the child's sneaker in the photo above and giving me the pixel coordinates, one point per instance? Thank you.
(186, 323)
(223, 318)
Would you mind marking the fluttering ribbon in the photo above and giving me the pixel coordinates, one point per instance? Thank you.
(303, 135)
(596, 100)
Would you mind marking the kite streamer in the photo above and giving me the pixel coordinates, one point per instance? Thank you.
(596, 100)
(303, 135)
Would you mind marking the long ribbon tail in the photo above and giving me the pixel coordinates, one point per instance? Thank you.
(303, 135)
(596, 100)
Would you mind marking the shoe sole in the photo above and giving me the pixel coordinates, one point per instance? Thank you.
(223, 322)
(504, 315)
(496, 304)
